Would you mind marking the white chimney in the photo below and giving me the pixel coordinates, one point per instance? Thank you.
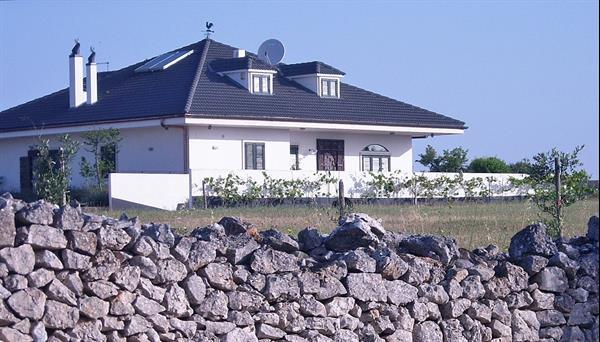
(76, 93)
(238, 53)
(92, 79)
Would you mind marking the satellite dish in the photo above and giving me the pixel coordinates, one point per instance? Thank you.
(271, 51)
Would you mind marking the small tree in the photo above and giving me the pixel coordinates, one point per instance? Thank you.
(488, 165)
(523, 166)
(453, 160)
(52, 169)
(103, 145)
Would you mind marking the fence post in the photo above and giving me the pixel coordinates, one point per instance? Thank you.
(341, 201)
(558, 195)
(204, 199)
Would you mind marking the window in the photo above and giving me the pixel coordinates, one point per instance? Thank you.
(329, 87)
(375, 158)
(294, 160)
(261, 84)
(330, 155)
(254, 156)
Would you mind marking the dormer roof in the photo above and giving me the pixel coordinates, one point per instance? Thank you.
(240, 63)
(309, 68)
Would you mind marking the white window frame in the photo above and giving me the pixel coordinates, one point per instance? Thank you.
(261, 78)
(329, 80)
(375, 155)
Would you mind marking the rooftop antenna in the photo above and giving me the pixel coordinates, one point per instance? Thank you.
(208, 30)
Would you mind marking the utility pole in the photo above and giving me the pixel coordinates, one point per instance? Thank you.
(558, 195)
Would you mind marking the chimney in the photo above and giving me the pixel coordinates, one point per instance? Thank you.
(92, 78)
(76, 93)
(238, 53)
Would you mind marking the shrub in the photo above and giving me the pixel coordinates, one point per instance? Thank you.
(489, 165)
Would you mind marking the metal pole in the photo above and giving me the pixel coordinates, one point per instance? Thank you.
(204, 199)
(558, 195)
(341, 202)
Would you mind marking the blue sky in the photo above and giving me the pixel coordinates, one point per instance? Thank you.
(522, 75)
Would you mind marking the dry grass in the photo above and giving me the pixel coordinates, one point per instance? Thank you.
(472, 224)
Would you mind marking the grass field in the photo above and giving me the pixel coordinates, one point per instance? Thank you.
(472, 224)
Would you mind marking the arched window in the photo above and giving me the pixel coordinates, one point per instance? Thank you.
(375, 158)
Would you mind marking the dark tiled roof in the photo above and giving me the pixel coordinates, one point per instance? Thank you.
(191, 88)
(241, 63)
(309, 68)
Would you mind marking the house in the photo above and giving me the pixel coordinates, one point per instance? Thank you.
(209, 109)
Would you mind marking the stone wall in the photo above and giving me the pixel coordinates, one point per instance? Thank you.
(66, 275)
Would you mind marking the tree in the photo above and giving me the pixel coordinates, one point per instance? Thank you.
(450, 161)
(523, 166)
(488, 165)
(103, 145)
(541, 180)
(52, 169)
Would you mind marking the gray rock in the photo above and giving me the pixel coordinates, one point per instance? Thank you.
(434, 293)
(6, 316)
(40, 277)
(279, 241)
(501, 312)
(389, 264)
(309, 238)
(127, 277)
(194, 288)
(240, 318)
(480, 312)
(82, 242)
(59, 315)
(268, 261)
(147, 307)
(593, 230)
(161, 233)
(219, 276)
(46, 237)
(400, 293)
(148, 289)
(59, 292)
(356, 230)
(103, 265)
(72, 281)
(552, 279)
(418, 271)
(234, 225)
(550, 318)
(15, 282)
(452, 330)
(101, 289)
(136, 325)
(214, 305)
(339, 306)
(532, 264)
(436, 247)
(113, 238)
(38, 212)
(500, 329)
(309, 306)
(582, 314)
(121, 304)
(455, 308)
(580, 295)
(518, 300)
(10, 334)
(453, 289)
(93, 307)
(181, 251)
(20, 259)
(366, 287)
(147, 267)
(176, 302)
(47, 259)
(572, 334)
(240, 335)
(187, 328)
(239, 248)
(87, 331)
(427, 331)
(38, 332)
(541, 300)
(472, 287)
(75, 261)
(589, 264)
(245, 300)
(170, 271)
(269, 332)
(281, 288)
(69, 217)
(518, 279)
(497, 288)
(8, 231)
(359, 261)
(28, 303)
(201, 254)
(525, 326)
(532, 240)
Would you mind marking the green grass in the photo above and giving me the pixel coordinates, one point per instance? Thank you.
(471, 224)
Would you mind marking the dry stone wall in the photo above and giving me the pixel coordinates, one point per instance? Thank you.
(70, 276)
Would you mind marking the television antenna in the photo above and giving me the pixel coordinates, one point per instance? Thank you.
(271, 51)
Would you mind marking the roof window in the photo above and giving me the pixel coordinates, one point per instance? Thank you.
(329, 87)
(262, 84)
(163, 61)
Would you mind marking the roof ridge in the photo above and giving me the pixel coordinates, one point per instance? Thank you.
(190, 98)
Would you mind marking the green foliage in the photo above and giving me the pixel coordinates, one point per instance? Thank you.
(523, 166)
(384, 185)
(103, 144)
(52, 173)
(574, 185)
(489, 165)
(453, 160)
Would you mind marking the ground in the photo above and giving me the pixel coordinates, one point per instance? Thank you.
(471, 224)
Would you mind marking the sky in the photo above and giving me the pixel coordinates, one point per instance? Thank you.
(522, 75)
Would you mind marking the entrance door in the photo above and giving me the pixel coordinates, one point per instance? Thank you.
(330, 155)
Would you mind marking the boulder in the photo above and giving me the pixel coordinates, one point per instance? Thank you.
(309, 238)
(82, 242)
(400, 293)
(69, 217)
(279, 241)
(38, 212)
(93, 307)
(28, 303)
(268, 261)
(440, 248)
(20, 259)
(359, 261)
(354, 231)
(366, 287)
(113, 238)
(532, 240)
(552, 279)
(234, 225)
(170, 271)
(46, 237)
(593, 229)
(219, 276)
(8, 230)
(239, 248)
(427, 331)
(60, 316)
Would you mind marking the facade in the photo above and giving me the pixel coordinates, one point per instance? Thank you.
(211, 109)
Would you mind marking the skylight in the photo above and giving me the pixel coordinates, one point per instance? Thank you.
(164, 61)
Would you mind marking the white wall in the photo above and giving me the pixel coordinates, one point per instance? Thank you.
(161, 191)
(134, 155)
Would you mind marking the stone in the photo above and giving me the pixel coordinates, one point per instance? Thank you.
(269, 332)
(38, 332)
(452, 330)
(541, 300)
(309, 238)
(234, 225)
(219, 276)
(176, 302)
(194, 288)
(201, 254)
(455, 308)
(593, 230)
(582, 314)
(48, 259)
(59, 315)
(440, 248)
(552, 279)
(59, 292)
(9, 334)
(518, 279)
(572, 334)
(562, 261)
(279, 241)
(147, 307)
(366, 287)
(69, 217)
(103, 265)
(136, 325)
(127, 277)
(214, 306)
(281, 288)
(148, 268)
(500, 329)
(82, 242)
(427, 331)
(28, 303)
(8, 230)
(239, 248)
(525, 326)
(480, 312)
(93, 307)
(161, 233)
(38, 212)
(121, 304)
(389, 264)
(580, 295)
(170, 271)
(87, 331)
(472, 288)
(20, 259)
(550, 318)
(268, 261)
(245, 300)
(518, 300)
(240, 318)
(239, 335)
(46, 237)
(101, 289)
(356, 230)
(309, 306)
(400, 293)
(532, 264)
(532, 240)
(182, 248)
(434, 293)
(359, 261)
(418, 271)
(40, 277)
(72, 281)
(75, 261)
(151, 291)
(6, 316)
(187, 328)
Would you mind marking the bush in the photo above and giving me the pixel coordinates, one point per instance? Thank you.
(91, 197)
(489, 165)
(523, 166)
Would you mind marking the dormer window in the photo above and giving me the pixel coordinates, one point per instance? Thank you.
(329, 87)
(261, 83)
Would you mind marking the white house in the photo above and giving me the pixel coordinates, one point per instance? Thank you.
(211, 109)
